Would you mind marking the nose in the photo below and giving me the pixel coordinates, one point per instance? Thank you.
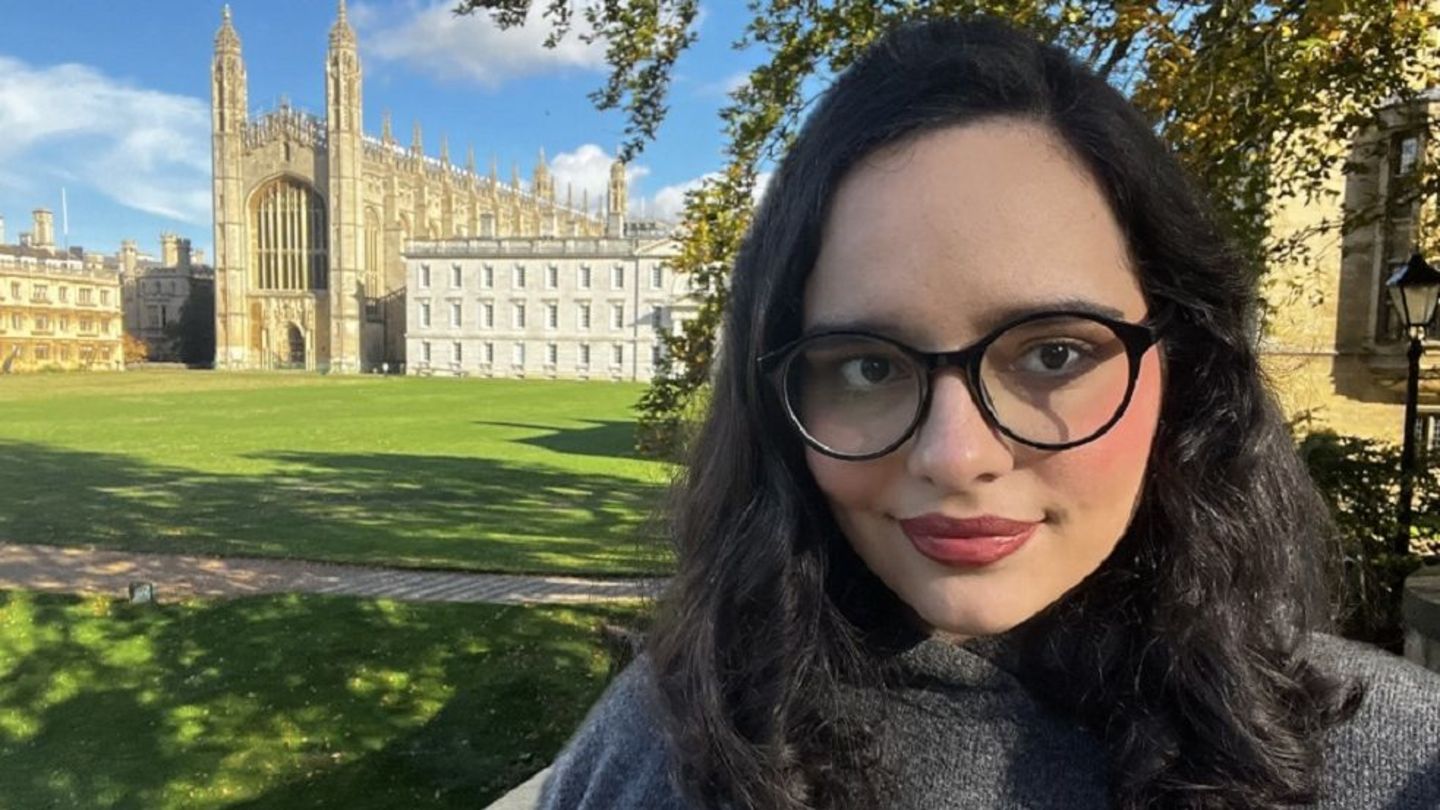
(955, 448)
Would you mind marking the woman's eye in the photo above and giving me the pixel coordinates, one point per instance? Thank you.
(1053, 358)
(862, 372)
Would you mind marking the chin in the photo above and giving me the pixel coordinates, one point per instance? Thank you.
(958, 618)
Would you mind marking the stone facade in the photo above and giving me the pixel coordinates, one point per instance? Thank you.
(59, 308)
(154, 293)
(1332, 346)
(573, 308)
(311, 214)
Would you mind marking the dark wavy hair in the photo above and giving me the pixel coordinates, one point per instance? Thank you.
(1184, 653)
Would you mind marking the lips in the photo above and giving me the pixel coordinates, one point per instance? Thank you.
(967, 541)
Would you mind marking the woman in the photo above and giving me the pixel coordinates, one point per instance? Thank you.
(991, 507)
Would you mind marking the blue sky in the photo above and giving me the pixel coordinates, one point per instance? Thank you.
(111, 101)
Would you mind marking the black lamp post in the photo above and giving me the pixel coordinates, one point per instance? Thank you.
(1413, 291)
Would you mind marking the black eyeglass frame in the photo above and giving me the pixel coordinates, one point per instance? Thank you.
(1137, 338)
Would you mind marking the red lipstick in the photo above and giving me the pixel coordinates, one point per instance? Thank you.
(967, 541)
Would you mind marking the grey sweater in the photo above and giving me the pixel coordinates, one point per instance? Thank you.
(972, 737)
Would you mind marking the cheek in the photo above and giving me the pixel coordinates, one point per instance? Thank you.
(849, 485)
(1112, 467)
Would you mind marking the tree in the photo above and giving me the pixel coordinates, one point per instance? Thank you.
(1252, 96)
(194, 333)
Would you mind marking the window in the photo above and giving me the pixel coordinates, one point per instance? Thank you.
(457, 352)
(82, 295)
(42, 351)
(15, 321)
(487, 277)
(657, 277)
(617, 316)
(657, 317)
(64, 293)
(424, 351)
(42, 323)
(657, 352)
(552, 316)
(424, 276)
(519, 276)
(105, 326)
(582, 315)
(87, 326)
(552, 277)
(104, 297)
(617, 277)
(425, 314)
(582, 278)
(489, 353)
(15, 290)
(1407, 154)
(1429, 427)
(455, 314)
(64, 324)
(40, 292)
(457, 278)
(518, 319)
(584, 355)
(64, 353)
(517, 354)
(617, 354)
(487, 315)
(552, 354)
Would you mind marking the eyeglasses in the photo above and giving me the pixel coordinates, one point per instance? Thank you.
(1051, 380)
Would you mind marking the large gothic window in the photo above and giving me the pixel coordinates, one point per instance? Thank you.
(288, 237)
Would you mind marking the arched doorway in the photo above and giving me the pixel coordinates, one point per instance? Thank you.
(297, 346)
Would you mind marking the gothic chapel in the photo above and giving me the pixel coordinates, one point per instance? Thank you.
(311, 216)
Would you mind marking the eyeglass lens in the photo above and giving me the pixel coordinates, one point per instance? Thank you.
(1048, 381)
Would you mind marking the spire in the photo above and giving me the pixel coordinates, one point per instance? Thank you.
(515, 176)
(541, 179)
(416, 145)
(494, 170)
(444, 148)
(585, 201)
(470, 158)
(341, 34)
(226, 39)
(386, 135)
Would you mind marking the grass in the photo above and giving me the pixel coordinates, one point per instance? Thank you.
(493, 475)
(286, 701)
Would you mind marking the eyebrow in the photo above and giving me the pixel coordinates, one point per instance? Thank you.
(903, 329)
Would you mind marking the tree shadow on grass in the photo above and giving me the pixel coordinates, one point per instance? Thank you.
(285, 701)
(412, 510)
(599, 437)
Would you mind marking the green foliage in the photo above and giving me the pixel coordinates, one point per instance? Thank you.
(193, 334)
(516, 476)
(1360, 479)
(1252, 96)
(287, 701)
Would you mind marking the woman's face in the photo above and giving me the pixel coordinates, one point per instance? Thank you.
(935, 242)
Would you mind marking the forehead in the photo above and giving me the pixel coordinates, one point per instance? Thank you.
(943, 235)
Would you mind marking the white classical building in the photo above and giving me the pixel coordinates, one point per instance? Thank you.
(571, 307)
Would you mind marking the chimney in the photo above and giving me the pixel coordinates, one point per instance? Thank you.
(182, 253)
(169, 250)
(127, 256)
(43, 235)
(197, 256)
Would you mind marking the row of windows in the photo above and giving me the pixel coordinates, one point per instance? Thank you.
(40, 293)
(485, 315)
(517, 354)
(60, 352)
(45, 323)
(520, 276)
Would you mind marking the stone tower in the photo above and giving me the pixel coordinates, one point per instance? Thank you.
(616, 200)
(346, 215)
(228, 113)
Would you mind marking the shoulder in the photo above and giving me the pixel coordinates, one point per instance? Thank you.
(1388, 754)
(618, 757)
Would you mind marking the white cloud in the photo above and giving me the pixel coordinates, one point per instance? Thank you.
(669, 202)
(430, 38)
(144, 149)
(587, 168)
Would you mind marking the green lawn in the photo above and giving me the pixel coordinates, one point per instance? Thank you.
(521, 476)
(286, 702)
